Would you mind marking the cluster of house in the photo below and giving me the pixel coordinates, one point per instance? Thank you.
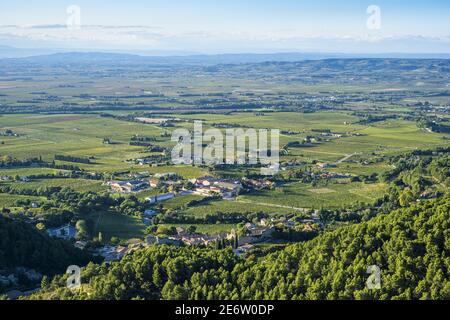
(111, 253)
(334, 175)
(207, 186)
(330, 134)
(258, 184)
(254, 234)
(204, 186)
(155, 160)
(184, 238)
(117, 252)
(140, 184)
(128, 186)
(164, 179)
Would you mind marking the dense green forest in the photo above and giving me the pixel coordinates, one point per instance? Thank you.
(411, 246)
(22, 245)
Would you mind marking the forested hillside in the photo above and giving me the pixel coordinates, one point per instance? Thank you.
(410, 245)
(21, 245)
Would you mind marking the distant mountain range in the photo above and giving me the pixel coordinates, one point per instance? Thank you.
(60, 55)
(12, 52)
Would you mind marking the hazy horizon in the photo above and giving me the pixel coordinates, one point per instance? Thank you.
(202, 27)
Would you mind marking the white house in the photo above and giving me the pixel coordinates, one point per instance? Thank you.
(111, 253)
(242, 250)
(161, 197)
(66, 232)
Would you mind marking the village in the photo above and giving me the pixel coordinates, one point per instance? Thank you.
(242, 242)
(170, 185)
(254, 234)
(204, 186)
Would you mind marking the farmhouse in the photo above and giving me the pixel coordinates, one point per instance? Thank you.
(205, 181)
(111, 253)
(242, 250)
(261, 232)
(203, 191)
(127, 186)
(325, 165)
(66, 232)
(334, 175)
(155, 183)
(198, 239)
(209, 185)
(258, 184)
(256, 234)
(160, 198)
(80, 244)
(158, 240)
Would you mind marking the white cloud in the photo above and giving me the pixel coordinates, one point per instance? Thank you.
(156, 38)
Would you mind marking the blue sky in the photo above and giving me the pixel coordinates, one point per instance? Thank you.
(231, 25)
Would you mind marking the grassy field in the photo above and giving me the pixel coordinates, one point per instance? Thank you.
(180, 201)
(360, 169)
(112, 224)
(332, 195)
(76, 135)
(388, 137)
(8, 200)
(75, 184)
(234, 207)
(82, 135)
(28, 171)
